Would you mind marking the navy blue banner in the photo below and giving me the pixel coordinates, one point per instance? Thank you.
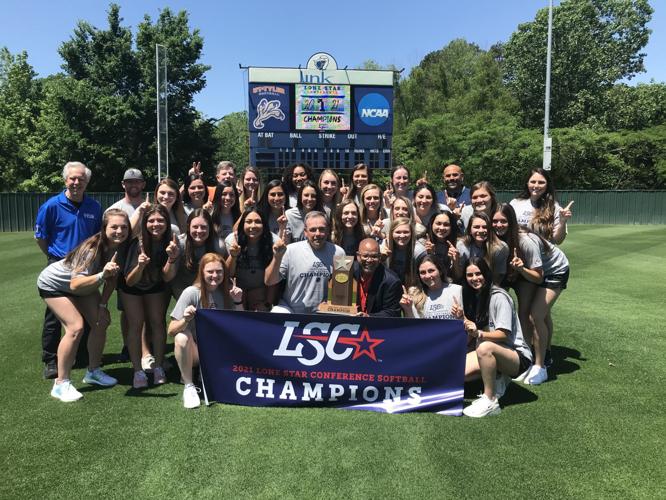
(380, 364)
(269, 107)
(373, 110)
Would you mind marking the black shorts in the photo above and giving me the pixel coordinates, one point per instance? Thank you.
(52, 295)
(161, 288)
(523, 363)
(556, 281)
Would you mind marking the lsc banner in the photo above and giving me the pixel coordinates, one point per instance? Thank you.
(387, 365)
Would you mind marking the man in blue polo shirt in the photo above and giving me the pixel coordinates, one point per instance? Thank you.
(64, 221)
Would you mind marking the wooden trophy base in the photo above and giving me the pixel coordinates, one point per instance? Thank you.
(328, 308)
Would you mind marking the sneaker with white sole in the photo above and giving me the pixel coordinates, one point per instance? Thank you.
(98, 377)
(523, 376)
(483, 407)
(148, 363)
(538, 375)
(65, 392)
(501, 383)
(159, 377)
(191, 396)
(140, 380)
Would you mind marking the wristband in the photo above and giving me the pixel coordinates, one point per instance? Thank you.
(100, 277)
(238, 303)
(172, 261)
(479, 334)
(101, 305)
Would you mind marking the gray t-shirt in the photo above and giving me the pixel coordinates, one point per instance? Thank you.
(191, 296)
(226, 226)
(531, 252)
(295, 224)
(307, 273)
(553, 261)
(438, 304)
(249, 271)
(57, 277)
(498, 260)
(128, 208)
(501, 314)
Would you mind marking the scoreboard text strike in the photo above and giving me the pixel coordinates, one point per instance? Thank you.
(320, 115)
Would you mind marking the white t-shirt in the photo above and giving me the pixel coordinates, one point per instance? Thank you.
(525, 211)
(438, 304)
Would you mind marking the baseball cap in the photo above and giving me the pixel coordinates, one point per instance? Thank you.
(133, 174)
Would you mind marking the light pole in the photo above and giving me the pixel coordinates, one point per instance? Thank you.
(547, 140)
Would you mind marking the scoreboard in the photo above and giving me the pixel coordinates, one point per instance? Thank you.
(320, 115)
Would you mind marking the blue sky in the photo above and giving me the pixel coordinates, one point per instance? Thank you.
(271, 33)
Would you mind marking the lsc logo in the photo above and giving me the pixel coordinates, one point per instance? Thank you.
(373, 109)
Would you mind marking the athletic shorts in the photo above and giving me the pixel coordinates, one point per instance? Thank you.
(556, 281)
(45, 294)
(161, 288)
(523, 363)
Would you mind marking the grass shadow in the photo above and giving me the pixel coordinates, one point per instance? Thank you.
(562, 361)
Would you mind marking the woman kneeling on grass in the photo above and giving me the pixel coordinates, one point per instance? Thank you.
(210, 280)
(490, 318)
(70, 289)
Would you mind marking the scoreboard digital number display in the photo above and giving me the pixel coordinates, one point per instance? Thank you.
(323, 107)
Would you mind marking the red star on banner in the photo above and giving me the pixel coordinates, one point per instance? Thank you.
(365, 340)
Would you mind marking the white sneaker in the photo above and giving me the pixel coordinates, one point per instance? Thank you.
(148, 363)
(483, 407)
(191, 396)
(501, 383)
(522, 376)
(538, 375)
(98, 377)
(65, 392)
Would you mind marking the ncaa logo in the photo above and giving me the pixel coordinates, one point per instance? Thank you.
(373, 109)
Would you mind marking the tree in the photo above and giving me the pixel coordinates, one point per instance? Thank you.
(595, 44)
(102, 110)
(20, 94)
(233, 138)
(460, 79)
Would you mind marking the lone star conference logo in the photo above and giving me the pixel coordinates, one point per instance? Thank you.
(267, 109)
(324, 344)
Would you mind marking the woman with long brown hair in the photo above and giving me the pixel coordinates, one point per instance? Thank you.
(70, 289)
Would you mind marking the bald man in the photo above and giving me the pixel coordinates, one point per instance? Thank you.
(379, 288)
(455, 193)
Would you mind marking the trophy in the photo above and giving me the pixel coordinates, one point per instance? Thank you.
(342, 288)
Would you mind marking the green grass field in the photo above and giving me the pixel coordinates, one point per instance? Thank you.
(596, 430)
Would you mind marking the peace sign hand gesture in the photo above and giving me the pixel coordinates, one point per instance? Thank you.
(235, 292)
(406, 299)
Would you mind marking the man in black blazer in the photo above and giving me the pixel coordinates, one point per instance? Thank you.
(379, 288)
